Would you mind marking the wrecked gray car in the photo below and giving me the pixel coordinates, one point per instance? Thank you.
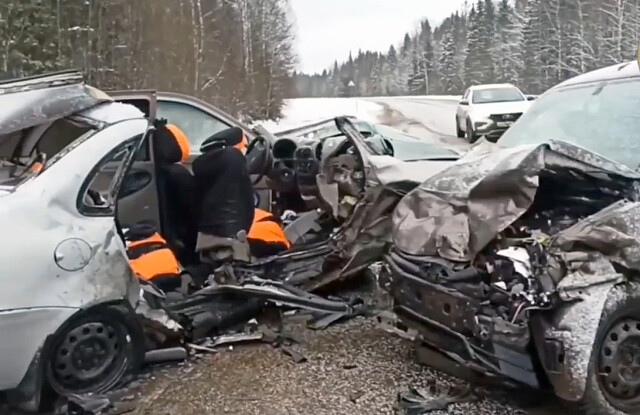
(522, 259)
(351, 181)
(356, 188)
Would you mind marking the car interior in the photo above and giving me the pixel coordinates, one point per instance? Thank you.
(34, 146)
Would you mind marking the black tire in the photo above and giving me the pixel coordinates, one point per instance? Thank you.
(94, 351)
(458, 130)
(472, 137)
(618, 335)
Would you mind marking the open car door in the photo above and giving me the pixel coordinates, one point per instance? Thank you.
(139, 193)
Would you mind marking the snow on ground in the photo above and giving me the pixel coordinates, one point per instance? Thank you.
(301, 111)
(429, 118)
(422, 97)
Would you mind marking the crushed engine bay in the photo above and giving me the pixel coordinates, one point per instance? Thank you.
(488, 250)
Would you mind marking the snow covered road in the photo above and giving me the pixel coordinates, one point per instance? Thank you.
(429, 118)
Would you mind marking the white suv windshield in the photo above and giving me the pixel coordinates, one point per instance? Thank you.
(601, 117)
(485, 96)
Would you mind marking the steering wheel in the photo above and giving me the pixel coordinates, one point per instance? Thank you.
(259, 157)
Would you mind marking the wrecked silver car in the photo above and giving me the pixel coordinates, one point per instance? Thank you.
(522, 259)
(78, 169)
(66, 292)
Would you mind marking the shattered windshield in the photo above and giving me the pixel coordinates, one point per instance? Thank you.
(601, 117)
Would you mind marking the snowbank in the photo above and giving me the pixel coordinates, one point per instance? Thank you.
(432, 97)
(301, 111)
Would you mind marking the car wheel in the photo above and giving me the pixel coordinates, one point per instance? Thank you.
(613, 385)
(471, 135)
(93, 352)
(458, 130)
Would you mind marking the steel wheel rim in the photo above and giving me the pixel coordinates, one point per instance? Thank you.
(619, 365)
(90, 357)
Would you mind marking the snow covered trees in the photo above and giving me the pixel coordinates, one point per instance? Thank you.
(532, 43)
(236, 54)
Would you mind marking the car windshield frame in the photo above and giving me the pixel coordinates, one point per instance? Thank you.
(598, 116)
(517, 97)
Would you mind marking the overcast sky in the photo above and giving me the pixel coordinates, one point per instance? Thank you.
(328, 29)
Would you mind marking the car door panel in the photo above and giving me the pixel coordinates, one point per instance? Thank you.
(138, 199)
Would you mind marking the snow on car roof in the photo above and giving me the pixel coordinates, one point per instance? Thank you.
(611, 73)
(112, 112)
(37, 100)
(491, 86)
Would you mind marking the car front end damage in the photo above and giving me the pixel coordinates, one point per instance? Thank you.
(356, 190)
(506, 261)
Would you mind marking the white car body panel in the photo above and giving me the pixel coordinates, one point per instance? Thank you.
(42, 228)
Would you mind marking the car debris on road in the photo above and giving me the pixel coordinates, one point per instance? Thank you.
(516, 261)
(419, 401)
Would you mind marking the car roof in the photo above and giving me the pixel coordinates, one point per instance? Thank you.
(28, 102)
(610, 73)
(112, 112)
(491, 86)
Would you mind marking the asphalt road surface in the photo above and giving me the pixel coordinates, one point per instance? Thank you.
(354, 368)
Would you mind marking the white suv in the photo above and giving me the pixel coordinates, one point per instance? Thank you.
(489, 110)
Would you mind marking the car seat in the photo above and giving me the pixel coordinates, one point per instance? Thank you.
(226, 205)
(266, 236)
(176, 188)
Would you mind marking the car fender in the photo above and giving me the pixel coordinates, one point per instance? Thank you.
(565, 340)
(29, 330)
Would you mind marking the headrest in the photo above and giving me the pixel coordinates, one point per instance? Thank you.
(231, 137)
(171, 144)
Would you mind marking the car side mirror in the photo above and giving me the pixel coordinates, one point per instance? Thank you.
(464, 102)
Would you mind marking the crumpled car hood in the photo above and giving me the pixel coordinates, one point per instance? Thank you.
(459, 211)
(390, 171)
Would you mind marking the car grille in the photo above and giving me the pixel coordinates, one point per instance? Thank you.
(506, 117)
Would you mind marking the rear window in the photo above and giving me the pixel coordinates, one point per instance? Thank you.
(484, 96)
